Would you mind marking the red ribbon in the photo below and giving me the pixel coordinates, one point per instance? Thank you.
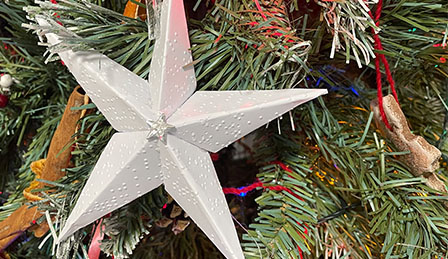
(94, 249)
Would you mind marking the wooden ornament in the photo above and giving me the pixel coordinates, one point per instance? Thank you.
(49, 169)
(58, 157)
(164, 222)
(179, 226)
(175, 211)
(17, 223)
(133, 10)
(173, 214)
(423, 158)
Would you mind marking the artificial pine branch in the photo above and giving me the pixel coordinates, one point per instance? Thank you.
(282, 228)
(414, 33)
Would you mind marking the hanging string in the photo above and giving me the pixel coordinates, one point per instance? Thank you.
(382, 58)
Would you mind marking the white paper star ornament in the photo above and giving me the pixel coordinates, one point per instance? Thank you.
(165, 131)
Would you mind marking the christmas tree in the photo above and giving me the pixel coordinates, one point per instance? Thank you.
(358, 173)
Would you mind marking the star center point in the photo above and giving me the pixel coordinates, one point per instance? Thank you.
(158, 128)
